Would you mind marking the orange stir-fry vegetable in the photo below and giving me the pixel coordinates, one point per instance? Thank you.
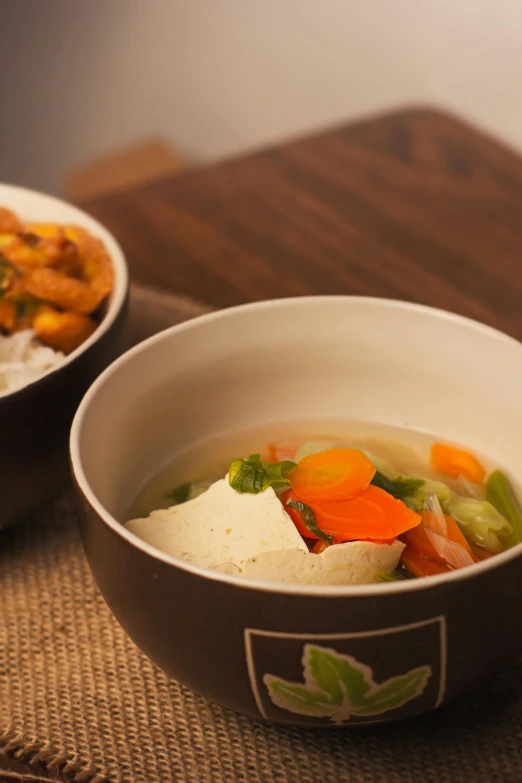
(52, 278)
(63, 331)
(373, 514)
(454, 462)
(335, 474)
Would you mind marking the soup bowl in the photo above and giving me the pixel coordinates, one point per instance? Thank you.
(302, 655)
(35, 420)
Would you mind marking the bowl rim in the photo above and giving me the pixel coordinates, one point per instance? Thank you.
(119, 291)
(338, 591)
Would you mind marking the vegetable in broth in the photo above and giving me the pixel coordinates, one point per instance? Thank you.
(345, 515)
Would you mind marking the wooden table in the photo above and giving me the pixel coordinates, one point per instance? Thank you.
(414, 205)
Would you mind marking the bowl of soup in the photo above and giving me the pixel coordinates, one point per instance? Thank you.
(308, 510)
(63, 290)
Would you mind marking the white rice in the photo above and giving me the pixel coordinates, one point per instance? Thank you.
(23, 359)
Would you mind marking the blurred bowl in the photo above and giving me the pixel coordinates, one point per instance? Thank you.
(302, 655)
(35, 420)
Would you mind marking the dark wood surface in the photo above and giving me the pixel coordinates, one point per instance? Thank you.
(414, 205)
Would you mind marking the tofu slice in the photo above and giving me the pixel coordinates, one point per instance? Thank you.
(355, 562)
(221, 526)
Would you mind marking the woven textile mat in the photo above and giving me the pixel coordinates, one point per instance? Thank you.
(78, 700)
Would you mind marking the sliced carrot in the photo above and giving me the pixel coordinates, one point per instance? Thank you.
(279, 453)
(320, 546)
(421, 566)
(418, 543)
(454, 462)
(455, 534)
(272, 453)
(334, 474)
(417, 538)
(373, 514)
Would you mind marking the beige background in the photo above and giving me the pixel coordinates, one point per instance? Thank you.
(220, 76)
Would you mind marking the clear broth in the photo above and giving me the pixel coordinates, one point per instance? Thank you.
(405, 449)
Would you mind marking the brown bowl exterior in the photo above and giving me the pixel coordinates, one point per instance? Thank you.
(302, 654)
(224, 641)
(35, 420)
(35, 423)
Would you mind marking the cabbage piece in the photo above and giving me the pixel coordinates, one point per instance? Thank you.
(314, 447)
(197, 488)
(471, 490)
(188, 491)
(480, 521)
(382, 466)
(431, 487)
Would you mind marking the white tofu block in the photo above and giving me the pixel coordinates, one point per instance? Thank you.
(221, 526)
(355, 562)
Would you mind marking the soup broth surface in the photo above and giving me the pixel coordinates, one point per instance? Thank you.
(407, 450)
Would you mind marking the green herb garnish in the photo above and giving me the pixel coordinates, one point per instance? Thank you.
(308, 517)
(399, 487)
(254, 476)
(500, 494)
(395, 576)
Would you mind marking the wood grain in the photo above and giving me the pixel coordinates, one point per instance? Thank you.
(414, 205)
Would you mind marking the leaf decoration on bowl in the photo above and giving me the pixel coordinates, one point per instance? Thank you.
(338, 686)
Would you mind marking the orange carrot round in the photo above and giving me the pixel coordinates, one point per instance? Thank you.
(372, 514)
(454, 462)
(334, 474)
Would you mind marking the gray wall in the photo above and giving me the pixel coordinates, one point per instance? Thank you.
(81, 77)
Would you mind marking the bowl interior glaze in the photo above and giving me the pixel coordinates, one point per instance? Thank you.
(309, 358)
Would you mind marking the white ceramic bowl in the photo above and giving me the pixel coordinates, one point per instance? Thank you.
(35, 420)
(297, 359)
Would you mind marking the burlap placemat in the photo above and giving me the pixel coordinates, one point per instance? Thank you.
(78, 697)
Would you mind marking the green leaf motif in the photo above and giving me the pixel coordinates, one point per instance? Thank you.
(341, 677)
(298, 698)
(396, 691)
(339, 687)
